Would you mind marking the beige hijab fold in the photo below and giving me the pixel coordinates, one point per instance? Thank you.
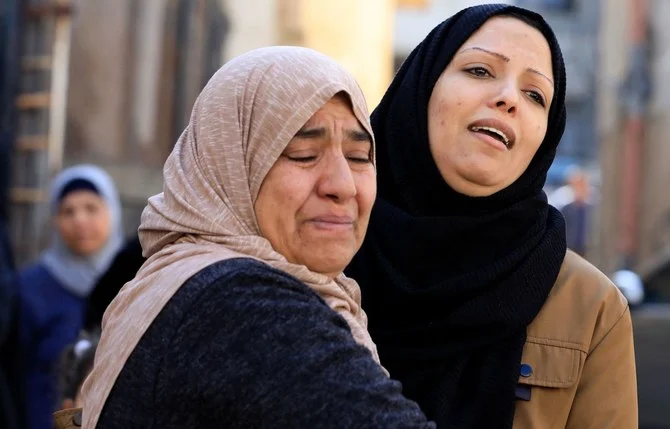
(241, 123)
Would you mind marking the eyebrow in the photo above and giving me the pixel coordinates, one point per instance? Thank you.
(355, 135)
(506, 59)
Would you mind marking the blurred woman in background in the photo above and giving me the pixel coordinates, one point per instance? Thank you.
(87, 234)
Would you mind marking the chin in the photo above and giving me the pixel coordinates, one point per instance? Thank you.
(330, 264)
(85, 252)
(327, 256)
(479, 182)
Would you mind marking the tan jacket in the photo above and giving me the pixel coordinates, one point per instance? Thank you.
(580, 355)
(67, 419)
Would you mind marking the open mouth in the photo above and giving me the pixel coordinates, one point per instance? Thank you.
(495, 133)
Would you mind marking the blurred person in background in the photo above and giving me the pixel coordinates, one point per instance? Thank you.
(86, 214)
(12, 383)
(577, 211)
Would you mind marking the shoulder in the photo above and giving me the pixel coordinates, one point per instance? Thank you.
(255, 347)
(234, 296)
(581, 309)
(286, 358)
(238, 294)
(36, 271)
(40, 298)
(35, 282)
(245, 277)
(246, 299)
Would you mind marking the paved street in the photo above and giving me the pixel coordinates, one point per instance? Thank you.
(652, 349)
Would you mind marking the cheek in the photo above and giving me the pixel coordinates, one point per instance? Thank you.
(64, 227)
(277, 205)
(534, 141)
(366, 193)
(442, 122)
(67, 231)
(287, 194)
(540, 133)
(103, 223)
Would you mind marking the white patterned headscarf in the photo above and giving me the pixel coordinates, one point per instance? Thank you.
(241, 123)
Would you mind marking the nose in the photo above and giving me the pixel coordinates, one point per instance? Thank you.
(79, 218)
(337, 180)
(507, 98)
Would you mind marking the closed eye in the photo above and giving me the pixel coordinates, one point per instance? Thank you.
(302, 159)
(359, 160)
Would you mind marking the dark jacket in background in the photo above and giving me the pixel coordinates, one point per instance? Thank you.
(51, 318)
(123, 269)
(12, 403)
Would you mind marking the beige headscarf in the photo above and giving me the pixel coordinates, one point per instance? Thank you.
(241, 123)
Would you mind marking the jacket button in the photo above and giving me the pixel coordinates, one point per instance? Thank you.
(76, 419)
(526, 370)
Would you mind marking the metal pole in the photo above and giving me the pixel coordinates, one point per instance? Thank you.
(635, 95)
(59, 86)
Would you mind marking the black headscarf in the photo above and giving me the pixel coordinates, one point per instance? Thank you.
(450, 282)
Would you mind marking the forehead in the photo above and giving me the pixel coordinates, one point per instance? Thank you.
(81, 196)
(516, 40)
(339, 108)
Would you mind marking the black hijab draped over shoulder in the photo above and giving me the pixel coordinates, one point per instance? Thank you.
(451, 282)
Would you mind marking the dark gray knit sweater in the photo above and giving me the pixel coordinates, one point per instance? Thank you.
(242, 345)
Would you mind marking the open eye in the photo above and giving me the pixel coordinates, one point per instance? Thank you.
(478, 71)
(537, 98)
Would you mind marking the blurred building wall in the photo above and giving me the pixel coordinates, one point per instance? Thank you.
(357, 34)
(135, 69)
(414, 23)
(115, 69)
(654, 249)
(612, 66)
(653, 200)
(100, 64)
(253, 24)
(596, 44)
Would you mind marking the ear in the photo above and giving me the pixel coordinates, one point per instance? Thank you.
(67, 403)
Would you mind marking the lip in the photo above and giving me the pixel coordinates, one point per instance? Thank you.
(495, 123)
(332, 222)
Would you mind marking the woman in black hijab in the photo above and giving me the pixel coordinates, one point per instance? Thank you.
(473, 300)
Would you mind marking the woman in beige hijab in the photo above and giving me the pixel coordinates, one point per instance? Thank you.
(241, 316)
